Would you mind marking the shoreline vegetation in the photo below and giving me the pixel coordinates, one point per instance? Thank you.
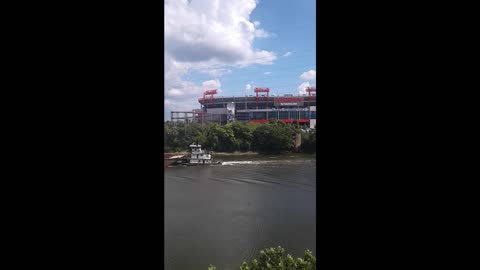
(236, 153)
(238, 139)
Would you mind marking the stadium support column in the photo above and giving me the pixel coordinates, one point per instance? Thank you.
(310, 90)
(298, 106)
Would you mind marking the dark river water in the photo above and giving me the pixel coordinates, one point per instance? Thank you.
(225, 214)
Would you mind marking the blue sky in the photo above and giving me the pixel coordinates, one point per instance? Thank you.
(235, 46)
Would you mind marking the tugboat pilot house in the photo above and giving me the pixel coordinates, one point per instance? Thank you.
(199, 156)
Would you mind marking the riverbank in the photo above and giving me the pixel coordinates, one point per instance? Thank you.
(215, 154)
(170, 154)
(234, 153)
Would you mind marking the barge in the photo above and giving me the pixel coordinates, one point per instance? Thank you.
(169, 160)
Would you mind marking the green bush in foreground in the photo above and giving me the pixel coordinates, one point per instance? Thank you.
(273, 259)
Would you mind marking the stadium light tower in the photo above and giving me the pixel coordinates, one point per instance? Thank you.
(263, 90)
(310, 89)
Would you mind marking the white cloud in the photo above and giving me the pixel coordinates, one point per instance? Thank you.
(248, 87)
(262, 33)
(202, 30)
(175, 92)
(186, 99)
(175, 105)
(216, 72)
(287, 54)
(208, 36)
(267, 73)
(310, 75)
(301, 89)
(212, 84)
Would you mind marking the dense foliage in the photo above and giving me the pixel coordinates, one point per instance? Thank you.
(309, 142)
(269, 137)
(274, 259)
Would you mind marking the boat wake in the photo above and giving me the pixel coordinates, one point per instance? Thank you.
(264, 162)
(241, 162)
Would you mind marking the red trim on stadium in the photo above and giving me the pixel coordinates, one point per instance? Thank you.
(283, 120)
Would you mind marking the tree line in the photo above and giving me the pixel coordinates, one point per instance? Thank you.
(274, 136)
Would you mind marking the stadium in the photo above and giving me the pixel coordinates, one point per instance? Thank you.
(259, 108)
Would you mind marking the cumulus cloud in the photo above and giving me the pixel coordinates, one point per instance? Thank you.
(212, 84)
(216, 72)
(287, 54)
(202, 30)
(175, 92)
(262, 33)
(175, 105)
(310, 75)
(208, 37)
(186, 98)
(301, 89)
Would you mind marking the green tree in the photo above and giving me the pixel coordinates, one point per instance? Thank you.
(270, 137)
(171, 139)
(242, 134)
(274, 259)
(220, 138)
(274, 137)
(309, 141)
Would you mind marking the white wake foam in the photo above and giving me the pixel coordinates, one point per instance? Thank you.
(239, 162)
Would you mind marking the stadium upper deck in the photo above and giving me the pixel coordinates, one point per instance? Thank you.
(258, 108)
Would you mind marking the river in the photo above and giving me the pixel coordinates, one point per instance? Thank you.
(225, 214)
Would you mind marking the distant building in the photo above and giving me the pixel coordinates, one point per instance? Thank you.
(258, 108)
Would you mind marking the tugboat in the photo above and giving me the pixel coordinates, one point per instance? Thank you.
(198, 157)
